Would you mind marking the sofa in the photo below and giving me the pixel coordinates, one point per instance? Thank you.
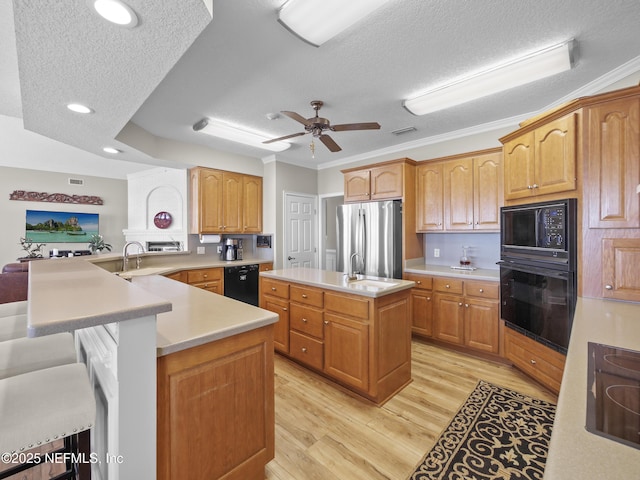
(14, 282)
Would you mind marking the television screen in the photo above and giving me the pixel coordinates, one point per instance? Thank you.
(60, 227)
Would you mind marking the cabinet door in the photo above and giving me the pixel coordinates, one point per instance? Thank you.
(481, 325)
(232, 202)
(281, 328)
(356, 186)
(346, 351)
(386, 182)
(422, 312)
(209, 203)
(620, 260)
(430, 211)
(487, 191)
(555, 156)
(458, 194)
(449, 318)
(518, 167)
(614, 170)
(251, 204)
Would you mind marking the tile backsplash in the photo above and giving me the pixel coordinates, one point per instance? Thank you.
(484, 248)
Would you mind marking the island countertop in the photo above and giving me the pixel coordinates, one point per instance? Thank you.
(74, 294)
(447, 271)
(198, 316)
(574, 452)
(365, 285)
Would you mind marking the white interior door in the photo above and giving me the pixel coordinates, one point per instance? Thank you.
(300, 231)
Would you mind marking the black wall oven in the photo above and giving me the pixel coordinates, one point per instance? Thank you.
(538, 270)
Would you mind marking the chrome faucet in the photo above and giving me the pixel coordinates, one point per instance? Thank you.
(352, 275)
(125, 255)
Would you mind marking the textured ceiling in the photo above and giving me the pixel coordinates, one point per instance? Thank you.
(164, 75)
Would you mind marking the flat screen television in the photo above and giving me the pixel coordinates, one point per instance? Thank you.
(44, 226)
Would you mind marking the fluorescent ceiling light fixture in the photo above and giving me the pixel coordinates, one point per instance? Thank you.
(527, 69)
(316, 21)
(110, 150)
(79, 108)
(116, 12)
(219, 129)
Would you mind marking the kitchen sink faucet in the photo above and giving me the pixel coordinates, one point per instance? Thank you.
(352, 275)
(125, 255)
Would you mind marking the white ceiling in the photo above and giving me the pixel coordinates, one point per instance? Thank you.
(179, 65)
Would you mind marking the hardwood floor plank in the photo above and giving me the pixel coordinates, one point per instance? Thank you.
(324, 433)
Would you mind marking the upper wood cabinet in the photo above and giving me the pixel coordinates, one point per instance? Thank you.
(463, 192)
(383, 182)
(613, 168)
(541, 161)
(225, 202)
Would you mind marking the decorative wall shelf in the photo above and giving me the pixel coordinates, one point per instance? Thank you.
(55, 197)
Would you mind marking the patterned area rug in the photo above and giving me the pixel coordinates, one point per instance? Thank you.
(496, 434)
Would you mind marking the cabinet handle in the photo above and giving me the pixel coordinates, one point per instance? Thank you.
(466, 305)
(304, 320)
(477, 223)
(428, 299)
(482, 290)
(533, 362)
(529, 187)
(304, 349)
(609, 287)
(418, 282)
(284, 309)
(447, 286)
(535, 185)
(273, 289)
(304, 295)
(470, 223)
(204, 276)
(326, 322)
(459, 304)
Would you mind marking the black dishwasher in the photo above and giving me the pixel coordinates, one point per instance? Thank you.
(241, 283)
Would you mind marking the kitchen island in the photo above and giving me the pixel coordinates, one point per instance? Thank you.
(356, 333)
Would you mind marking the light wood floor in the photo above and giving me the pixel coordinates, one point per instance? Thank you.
(323, 433)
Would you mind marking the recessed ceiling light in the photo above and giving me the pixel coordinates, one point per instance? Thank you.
(111, 150)
(79, 108)
(116, 12)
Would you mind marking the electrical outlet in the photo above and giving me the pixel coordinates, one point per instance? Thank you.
(219, 248)
(436, 252)
(200, 251)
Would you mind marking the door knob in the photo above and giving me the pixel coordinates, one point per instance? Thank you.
(291, 258)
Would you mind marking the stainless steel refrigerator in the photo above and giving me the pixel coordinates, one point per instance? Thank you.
(373, 231)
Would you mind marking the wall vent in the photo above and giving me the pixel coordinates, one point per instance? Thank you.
(402, 131)
(76, 181)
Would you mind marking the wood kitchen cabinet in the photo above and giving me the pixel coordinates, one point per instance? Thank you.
(460, 193)
(620, 278)
(541, 161)
(421, 310)
(274, 296)
(225, 202)
(215, 409)
(209, 279)
(383, 182)
(467, 313)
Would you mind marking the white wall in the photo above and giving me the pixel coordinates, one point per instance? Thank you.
(113, 213)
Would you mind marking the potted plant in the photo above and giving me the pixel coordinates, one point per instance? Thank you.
(97, 244)
(33, 251)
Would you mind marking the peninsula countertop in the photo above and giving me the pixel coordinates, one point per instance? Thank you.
(73, 294)
(447, 271)
(365, 285)
(574, 452)
(198, 316)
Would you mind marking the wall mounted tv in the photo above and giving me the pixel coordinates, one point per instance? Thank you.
(60, 227)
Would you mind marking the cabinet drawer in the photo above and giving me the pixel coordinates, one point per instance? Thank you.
(275, 288)
(306, 350)
(476, 288)
(214, 286)
(307, 320)
(204, 275)
(351, 306)
(449, 285)
(422, 281)
(307, 295)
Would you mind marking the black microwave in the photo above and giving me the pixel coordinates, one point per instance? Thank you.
(541, 233)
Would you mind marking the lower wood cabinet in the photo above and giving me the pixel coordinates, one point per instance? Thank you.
(542, 363)
(362, 343)
(216, 409)
(620, 260)
(421, 306)
(210, 279)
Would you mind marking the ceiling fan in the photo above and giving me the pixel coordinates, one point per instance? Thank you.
(318, 125)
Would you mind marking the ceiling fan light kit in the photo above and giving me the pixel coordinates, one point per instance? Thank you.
(219, 129)
(536, 66)
(316, 21)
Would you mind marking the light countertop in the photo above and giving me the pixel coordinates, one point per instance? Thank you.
(198, 316)
(574, 452)
(365, 285)
(447, 271)
(73, 294)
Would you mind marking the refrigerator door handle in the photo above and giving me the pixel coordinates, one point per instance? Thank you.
(363, 241)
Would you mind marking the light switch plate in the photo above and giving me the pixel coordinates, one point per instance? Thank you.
(200, 250)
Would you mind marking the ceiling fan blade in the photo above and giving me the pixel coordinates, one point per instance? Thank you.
(329, 143)
(356, 126)
(284, 138)
(297, 117)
